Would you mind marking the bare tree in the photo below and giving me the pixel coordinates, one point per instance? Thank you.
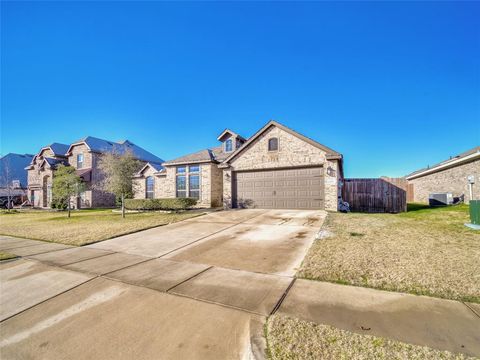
(119, 171)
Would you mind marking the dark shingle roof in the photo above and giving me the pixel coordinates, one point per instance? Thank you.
(215, 154)
(59, 149)
(12, 167)
(102, 146)
(445, 162)
(54, 162)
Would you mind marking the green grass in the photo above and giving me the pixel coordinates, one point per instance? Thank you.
(425, 251)
(84, 227)
(6, 256)
(291, 338)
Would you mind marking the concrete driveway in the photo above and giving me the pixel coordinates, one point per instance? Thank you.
(199, 289)
(265, 241)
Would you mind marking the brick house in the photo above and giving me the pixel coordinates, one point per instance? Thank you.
(84, 155)
(451, 175)
(275, 168)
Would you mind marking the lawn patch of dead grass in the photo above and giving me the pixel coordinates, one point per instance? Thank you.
(6, 256)
(85, 226)
(427, 252)
(291, 338)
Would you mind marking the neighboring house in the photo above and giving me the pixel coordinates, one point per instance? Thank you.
(452, 175)
(83, 155)
(13, 176)
(275, 168)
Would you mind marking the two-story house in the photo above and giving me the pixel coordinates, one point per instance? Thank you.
(84, 156)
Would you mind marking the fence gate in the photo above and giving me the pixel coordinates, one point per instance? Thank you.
(384, 195)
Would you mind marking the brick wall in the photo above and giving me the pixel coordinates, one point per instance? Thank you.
(165, 184)
(292, 151)
(217, 186)
(452, 180)
(87, 156)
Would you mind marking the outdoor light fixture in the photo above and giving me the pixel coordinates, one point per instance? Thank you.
(330, 171)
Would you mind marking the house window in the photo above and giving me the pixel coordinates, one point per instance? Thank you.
(149, 187)
(228, 145)
(192, 188)
(181, 186)
(79, 161)
(273, 144)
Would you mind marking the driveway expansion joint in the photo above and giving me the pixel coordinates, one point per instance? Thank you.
(472, 309)
(284, 295)
(190, 278)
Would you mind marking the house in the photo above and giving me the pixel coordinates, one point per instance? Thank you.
(453, 175)
(275, 168)
(84, 155)
(13, 176)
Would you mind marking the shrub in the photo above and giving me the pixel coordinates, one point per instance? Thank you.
(160, 204)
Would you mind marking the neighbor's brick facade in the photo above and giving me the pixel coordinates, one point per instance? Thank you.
(292, 152)
(452, 180)
(94, 195)
(39, 179)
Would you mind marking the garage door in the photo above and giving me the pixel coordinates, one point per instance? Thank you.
(300, 188)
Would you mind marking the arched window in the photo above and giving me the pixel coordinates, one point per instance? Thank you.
(273, 144)
(150, 187)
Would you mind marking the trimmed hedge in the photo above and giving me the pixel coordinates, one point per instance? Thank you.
(160, 204)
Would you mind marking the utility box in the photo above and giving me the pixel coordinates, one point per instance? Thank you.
(475, 212)
(440, 199)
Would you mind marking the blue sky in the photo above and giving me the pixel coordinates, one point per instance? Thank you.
(393, 86)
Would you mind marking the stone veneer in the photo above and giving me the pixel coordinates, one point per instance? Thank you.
(165, 184)
(292, 152)
(37, 177)
(452, 180)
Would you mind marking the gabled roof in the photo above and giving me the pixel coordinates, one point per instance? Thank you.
(331, 154)
(103, 146)
(12, 167)
(459, 159)
(58, 149)
(215, 154)
(52, 162)
(156, 167)
(232, 133)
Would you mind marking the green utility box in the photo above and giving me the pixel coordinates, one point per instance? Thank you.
(475, 212)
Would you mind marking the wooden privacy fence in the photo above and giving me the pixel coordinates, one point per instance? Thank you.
(383, 195)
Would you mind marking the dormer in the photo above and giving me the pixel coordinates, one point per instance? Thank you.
(231, 140)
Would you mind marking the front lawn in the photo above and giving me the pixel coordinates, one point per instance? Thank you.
(423, 251)
(290, 338)
(84, 227)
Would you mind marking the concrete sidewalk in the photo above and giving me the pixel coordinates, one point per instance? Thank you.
(421, 320)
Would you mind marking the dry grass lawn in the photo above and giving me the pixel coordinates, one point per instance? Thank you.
(425, 251)
(6, 256)
(84, 227)
(290, 338)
